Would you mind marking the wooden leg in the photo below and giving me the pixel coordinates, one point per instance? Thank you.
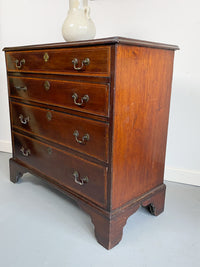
(16, 171)
(109, 225)
(109, 229)
(155, 203)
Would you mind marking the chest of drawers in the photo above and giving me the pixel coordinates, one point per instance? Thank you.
(91, 118)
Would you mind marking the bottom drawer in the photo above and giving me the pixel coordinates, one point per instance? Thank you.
(83, 177)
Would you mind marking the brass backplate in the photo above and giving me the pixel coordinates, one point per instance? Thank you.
(46, 57)
(49, 115)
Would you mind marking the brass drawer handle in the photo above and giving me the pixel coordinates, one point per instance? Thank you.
(85, 138)
(26, 152)
(23, 120)
(84, 99)
(18, 64)
(85, 62)
(78, 180)
(24, 88)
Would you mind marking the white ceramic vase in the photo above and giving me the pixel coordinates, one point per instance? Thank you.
(78, 24)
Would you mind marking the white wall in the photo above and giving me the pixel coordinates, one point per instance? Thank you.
(174, 21)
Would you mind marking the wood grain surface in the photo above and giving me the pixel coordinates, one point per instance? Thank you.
(60, 61)
(59, 128)
(60, 93)
(141, 106)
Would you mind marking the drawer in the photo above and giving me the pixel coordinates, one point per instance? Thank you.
(74, 61)
(86, 97)
(84, 135)
(74, 173)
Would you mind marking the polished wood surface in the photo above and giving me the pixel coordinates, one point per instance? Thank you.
(59, 93)
(142, 97)
(96, 42)
(120, 166)
(47, 159)
(60, 61)
(60, 127)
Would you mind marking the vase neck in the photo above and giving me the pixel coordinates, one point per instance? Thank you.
(78, 4)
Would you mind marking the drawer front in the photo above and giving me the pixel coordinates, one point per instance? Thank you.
(75, 61)
(86, 97)
(81, 176)
(85, 135)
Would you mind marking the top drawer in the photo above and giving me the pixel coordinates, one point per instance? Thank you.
(73, 61)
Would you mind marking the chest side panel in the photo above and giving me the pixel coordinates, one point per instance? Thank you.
(141, 111)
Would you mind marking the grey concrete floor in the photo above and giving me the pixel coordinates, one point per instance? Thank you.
(39, 226)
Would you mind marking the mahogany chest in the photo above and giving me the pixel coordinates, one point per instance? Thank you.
(91, 118)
